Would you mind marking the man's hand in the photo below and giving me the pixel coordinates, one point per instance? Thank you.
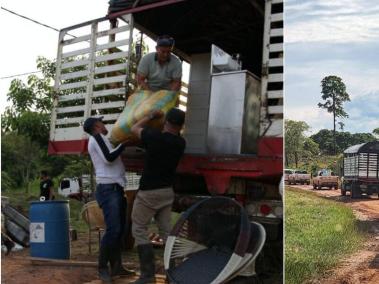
(156, 114)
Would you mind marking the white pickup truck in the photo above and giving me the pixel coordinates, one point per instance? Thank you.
(287, 173)
(299, 176)
(325, 178)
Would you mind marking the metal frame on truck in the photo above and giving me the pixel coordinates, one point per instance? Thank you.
(361, 169)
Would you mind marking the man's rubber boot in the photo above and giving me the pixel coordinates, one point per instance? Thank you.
(116, 265)
(147, 264)
(104, 256)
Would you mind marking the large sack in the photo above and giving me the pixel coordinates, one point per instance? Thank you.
(138, 105)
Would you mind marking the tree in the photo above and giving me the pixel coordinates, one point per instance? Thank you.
(334, 94)
(294, 140)
(324, 138)
(19, 156)
(376, 132)
(29, 114)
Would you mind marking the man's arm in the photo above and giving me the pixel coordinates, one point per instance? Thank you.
(108, 155)
(139, 125)
(141, 81)
(176, 85)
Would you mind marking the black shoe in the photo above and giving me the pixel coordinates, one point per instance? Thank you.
(104, 257)
(116, 265)
(147, 264)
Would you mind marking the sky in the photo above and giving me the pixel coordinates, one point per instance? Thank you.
(23, 41)
(341, 38)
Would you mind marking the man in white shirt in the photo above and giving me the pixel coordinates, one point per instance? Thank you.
(110, 183)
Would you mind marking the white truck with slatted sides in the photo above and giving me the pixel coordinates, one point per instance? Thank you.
(233, 104)
(361, 170)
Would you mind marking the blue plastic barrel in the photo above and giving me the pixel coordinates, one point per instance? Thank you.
(49, 229)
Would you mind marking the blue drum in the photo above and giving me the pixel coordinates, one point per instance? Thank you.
(50, 229)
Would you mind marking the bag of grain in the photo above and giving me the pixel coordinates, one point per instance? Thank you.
(138, 105)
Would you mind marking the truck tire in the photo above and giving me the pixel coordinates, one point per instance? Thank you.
(336, 187)
(355, 191)
(314, 186)
(343, 192)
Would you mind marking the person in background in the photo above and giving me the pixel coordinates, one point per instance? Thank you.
(110, 183)
(46, 186)
(155, 195)
(160, 70)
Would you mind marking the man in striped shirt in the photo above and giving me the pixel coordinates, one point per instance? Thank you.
(110, 180)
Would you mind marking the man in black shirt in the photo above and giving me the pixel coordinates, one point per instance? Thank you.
(155, 196)
(46, 186)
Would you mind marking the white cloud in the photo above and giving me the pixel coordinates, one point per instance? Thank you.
(331, 21)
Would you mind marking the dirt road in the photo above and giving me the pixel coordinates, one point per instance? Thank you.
(363, 266)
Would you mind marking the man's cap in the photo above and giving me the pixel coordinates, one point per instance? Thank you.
(176, 116)
(165, 41)
(90, 122)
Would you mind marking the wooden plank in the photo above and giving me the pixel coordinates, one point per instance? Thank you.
(73, 85)
(75, 63)
(120, 91)
(76, 52)
(73, 75)
(108, 80)
(107, 105)
(113, 116)
(111, 68)
(112, 44)
(69, 120)
(112, 56)
(71, 97)
(76, 40)
(275, 78)
(275, 94)
(276, 47)
(276, 128)
(276, 32)
(277, 17)
(70, 109)
(113, 31)
(275, 109)
(69, 133)
(275, 62)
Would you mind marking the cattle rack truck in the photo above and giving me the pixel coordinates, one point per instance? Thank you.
(234, 105)
(361, 169)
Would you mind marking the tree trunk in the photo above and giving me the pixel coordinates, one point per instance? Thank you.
(334, 125)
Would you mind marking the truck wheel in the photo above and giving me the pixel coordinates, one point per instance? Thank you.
(336, 187)
(355, 191)
(343, 192)
(314, 186)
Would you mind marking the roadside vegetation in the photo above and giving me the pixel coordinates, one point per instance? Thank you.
(21, 201)
(319, 233)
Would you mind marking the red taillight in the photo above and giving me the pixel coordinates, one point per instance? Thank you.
(265, 209)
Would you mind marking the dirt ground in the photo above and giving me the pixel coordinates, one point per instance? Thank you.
(363, 266)
(16, 268)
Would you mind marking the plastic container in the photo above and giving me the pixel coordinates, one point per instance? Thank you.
(49, 229)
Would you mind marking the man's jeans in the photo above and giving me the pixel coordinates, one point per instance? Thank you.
(112, 201)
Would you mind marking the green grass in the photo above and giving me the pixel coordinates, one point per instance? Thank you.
(319, 233)
(21, 201)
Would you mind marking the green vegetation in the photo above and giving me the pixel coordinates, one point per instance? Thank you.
(319, 233)
(334, 95)
(316, 152)
(21, 201)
